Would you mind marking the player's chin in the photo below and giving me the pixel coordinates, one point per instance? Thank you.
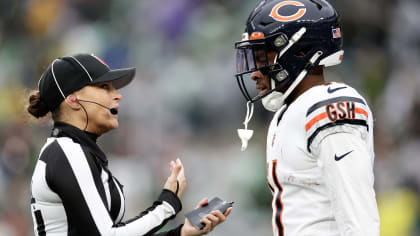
(263, 92)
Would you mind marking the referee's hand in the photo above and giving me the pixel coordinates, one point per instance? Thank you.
(210, 220)
(176, 181)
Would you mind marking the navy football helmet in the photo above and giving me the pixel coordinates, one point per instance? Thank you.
(302, 33)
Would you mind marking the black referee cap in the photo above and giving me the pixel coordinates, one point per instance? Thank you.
(68, 74)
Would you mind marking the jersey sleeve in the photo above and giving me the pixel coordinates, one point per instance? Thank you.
(348, 170)
(73, 179)
(335, 115)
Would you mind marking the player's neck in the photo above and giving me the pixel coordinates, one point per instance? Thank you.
(311, 81)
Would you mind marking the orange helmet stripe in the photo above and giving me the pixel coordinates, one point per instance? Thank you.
(257, 35)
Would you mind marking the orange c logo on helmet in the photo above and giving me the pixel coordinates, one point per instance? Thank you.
(275, 11)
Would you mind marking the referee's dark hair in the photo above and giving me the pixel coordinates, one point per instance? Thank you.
(38, 108)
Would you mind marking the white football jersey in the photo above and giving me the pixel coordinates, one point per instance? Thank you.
(320, 165)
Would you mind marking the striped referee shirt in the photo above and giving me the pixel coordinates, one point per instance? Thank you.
(74, 193)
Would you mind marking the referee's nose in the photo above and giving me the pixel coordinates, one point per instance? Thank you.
(116, 95)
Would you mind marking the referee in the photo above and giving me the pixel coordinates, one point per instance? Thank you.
(73, 191)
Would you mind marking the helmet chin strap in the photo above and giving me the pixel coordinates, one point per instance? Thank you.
(275, 100)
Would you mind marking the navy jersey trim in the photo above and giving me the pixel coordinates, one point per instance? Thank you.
(333, 100)
(329, 125)
(279, 204)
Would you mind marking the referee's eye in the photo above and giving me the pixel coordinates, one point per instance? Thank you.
(104, 86)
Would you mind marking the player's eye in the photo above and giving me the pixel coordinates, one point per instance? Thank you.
(261, 58)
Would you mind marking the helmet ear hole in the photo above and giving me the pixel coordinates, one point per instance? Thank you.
(300, 54)
(303, 51)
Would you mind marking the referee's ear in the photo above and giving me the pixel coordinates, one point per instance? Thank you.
(72, 102)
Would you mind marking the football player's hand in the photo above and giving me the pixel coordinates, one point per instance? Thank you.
(176, 182)
(211, 220)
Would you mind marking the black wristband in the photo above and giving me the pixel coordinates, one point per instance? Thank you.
(170, 197)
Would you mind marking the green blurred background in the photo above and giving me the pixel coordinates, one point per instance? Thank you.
(184, 101)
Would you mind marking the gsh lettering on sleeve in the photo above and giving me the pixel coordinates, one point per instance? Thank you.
(341, 111)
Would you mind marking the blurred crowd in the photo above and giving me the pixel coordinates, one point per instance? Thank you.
(184, 101)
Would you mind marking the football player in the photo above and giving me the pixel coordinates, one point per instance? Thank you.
(320, 142)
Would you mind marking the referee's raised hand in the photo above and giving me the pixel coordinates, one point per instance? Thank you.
(176, 182)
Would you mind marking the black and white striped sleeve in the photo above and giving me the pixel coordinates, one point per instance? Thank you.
(75, 179)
